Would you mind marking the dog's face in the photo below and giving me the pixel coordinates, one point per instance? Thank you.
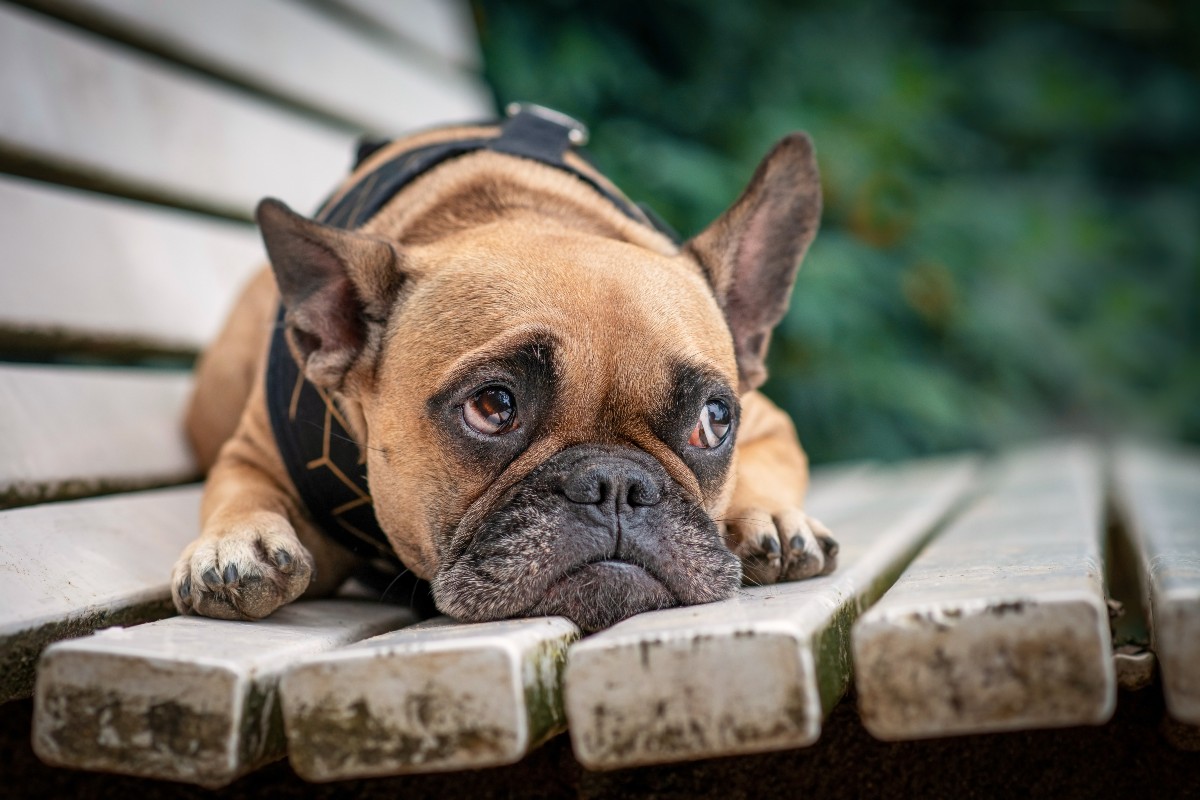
(550, 399)
(549, 412)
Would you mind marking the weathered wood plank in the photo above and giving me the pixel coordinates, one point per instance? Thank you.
(443, 28)
(1001, 623)
(1158, 491)
(832, 488)
(294, 51)
(111, 114)
(439, 696)
(73, 431)
(67, 569)
(86, 266)
(187, 698)
(760, 671)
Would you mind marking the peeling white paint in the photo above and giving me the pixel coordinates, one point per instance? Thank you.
(435, 697)
(187, 699)
(1001, 623)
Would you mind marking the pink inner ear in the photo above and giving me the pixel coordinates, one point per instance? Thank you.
(327, 321)
(336, 308)
(752, 249)
(760, 285)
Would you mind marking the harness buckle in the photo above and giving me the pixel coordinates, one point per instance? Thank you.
(577, 132)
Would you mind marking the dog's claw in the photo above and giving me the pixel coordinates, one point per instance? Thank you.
(797, 545)
(185, 588)
(770, 546)
(211, 579)
(231, 574)
(283, 560)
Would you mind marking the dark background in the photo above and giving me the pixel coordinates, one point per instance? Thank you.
(1011, 240)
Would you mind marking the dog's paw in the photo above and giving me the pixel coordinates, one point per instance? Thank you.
(245, 571)
(785, 545)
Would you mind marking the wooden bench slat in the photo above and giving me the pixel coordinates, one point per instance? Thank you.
(444, 28)
(832, 488)
(1002, 622)
(439, 696)
(760, 671)
(1158, 490)
(187, 698)
(97, 268)
(112, 114)
(297, 52)
(70, 568)
(73, 431)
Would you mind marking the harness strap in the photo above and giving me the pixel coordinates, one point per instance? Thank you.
(526, 134)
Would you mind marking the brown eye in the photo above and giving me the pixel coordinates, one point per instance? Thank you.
(492, 411)
(712, 427)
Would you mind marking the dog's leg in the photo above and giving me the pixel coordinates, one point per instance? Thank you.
(226, 370)
(765, 524)
(257, 550)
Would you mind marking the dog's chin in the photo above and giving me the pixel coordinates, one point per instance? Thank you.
(602, 593)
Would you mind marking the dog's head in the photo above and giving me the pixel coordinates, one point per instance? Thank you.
(547, 392)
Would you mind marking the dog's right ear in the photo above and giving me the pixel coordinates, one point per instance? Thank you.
(337, 286)
(752, 251)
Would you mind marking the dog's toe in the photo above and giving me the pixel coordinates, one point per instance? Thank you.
(788, 545)
(810, 549)
(245, 571)
(829, 545)
(751, 535)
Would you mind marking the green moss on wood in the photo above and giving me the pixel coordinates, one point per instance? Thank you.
(19, 652)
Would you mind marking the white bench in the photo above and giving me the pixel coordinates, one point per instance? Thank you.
(135, 138)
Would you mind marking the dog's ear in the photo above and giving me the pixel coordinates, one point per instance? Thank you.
(337, 287)
(752, 251)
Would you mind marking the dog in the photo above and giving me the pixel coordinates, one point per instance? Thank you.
(545, 404)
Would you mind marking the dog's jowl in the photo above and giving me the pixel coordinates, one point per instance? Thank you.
(482, 363)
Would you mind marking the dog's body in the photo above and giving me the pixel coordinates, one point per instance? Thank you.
(546, 391)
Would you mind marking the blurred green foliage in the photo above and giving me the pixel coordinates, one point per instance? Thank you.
(1011, 240)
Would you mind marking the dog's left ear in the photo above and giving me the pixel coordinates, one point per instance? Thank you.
(751, 252)
(337, 286)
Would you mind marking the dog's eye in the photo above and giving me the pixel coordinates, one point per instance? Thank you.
(713, 425)
(492, 411)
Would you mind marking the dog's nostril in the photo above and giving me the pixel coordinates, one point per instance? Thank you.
(589, 485)
(596, 484)
(642, 491)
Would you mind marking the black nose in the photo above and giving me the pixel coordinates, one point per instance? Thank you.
(611, 480)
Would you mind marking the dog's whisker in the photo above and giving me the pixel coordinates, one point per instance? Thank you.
(344, 438)
(412, 598)
(383, 596)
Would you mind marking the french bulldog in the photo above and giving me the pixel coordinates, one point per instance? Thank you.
(554, 406)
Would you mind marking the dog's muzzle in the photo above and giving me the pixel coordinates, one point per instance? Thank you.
(596, 534)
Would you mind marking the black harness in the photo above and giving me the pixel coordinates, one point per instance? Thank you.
(325, 464)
